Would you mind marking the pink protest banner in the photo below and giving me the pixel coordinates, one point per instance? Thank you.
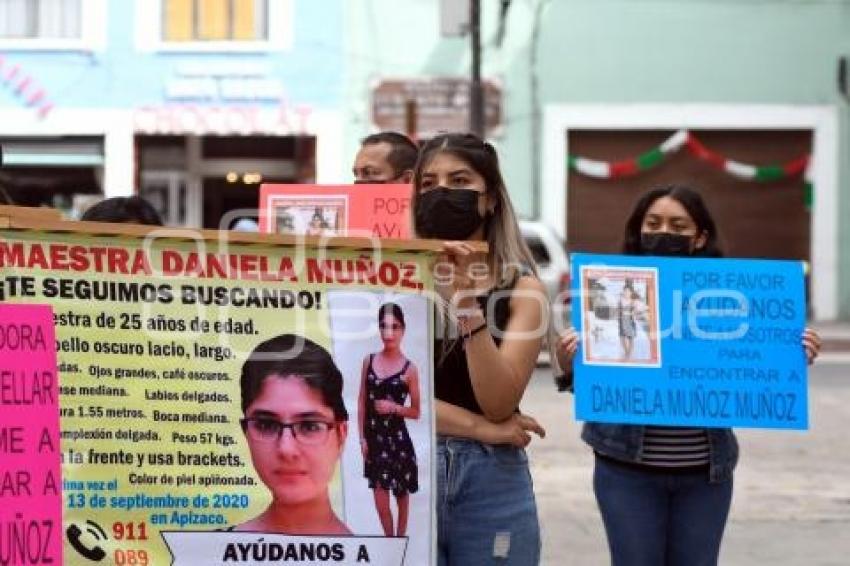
(30, 476)
(380, 210)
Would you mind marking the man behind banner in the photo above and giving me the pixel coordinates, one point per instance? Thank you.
(296, 425)
(385, 157)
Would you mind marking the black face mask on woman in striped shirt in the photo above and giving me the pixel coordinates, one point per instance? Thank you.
(666, 244)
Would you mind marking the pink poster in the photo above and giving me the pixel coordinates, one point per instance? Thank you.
(381, 211)
(30, 476)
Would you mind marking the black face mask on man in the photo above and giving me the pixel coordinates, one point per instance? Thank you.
(448, 214)
(665, 244)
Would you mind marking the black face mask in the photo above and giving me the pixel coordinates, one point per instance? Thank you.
(448, 214)
(665, 244)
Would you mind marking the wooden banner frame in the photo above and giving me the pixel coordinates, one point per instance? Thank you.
(49, 220)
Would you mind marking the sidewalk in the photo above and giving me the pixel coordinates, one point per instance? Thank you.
(791, 505)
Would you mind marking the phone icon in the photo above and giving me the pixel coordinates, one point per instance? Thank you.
(93, 553)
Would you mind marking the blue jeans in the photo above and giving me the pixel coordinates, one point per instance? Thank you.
(661, 519)
(486, 512)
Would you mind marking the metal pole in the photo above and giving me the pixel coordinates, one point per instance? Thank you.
(411, 119)
(476, 92)
(536, 119)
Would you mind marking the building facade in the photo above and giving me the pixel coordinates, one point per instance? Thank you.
(190, 103)
(595, 94)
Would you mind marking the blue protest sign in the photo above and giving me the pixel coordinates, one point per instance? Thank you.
(690, 341)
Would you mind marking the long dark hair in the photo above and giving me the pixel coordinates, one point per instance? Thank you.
(695, 206)
(287, 356)
(394, 311)
(507, 248)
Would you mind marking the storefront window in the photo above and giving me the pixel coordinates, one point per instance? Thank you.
(40, 19)
(215, 20)
(61, 172)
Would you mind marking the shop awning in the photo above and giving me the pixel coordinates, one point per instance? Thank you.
(53, 153)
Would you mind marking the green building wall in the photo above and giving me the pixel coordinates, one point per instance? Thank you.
(618, 52)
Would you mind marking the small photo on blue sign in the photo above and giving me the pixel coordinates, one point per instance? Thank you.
(690, 341)
(620, 316)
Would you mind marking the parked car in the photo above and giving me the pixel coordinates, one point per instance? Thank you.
(553, 265)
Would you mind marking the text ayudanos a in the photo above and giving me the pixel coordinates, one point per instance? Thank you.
(297, 552)
(740, 306)
(237, 266)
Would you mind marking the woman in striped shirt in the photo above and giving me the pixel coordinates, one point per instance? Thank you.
(664, 492)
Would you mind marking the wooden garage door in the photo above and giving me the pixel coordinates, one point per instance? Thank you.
(768, 220)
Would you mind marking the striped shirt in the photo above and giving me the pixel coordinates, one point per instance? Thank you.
(671, 447)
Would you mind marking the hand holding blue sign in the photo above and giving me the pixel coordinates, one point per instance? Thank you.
(567, 347)
(811, 344)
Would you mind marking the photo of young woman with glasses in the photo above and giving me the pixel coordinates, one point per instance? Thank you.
(388, 379)
(295, 424)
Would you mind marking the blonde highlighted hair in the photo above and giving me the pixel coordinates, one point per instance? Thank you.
(508, 256)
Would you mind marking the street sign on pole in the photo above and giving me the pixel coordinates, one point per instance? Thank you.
(454, 18)
(441, 105)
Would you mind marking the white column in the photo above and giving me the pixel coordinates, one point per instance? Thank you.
(118, 178)
(825, 221)
(331, 161)
(554, 171)
(194, 182)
